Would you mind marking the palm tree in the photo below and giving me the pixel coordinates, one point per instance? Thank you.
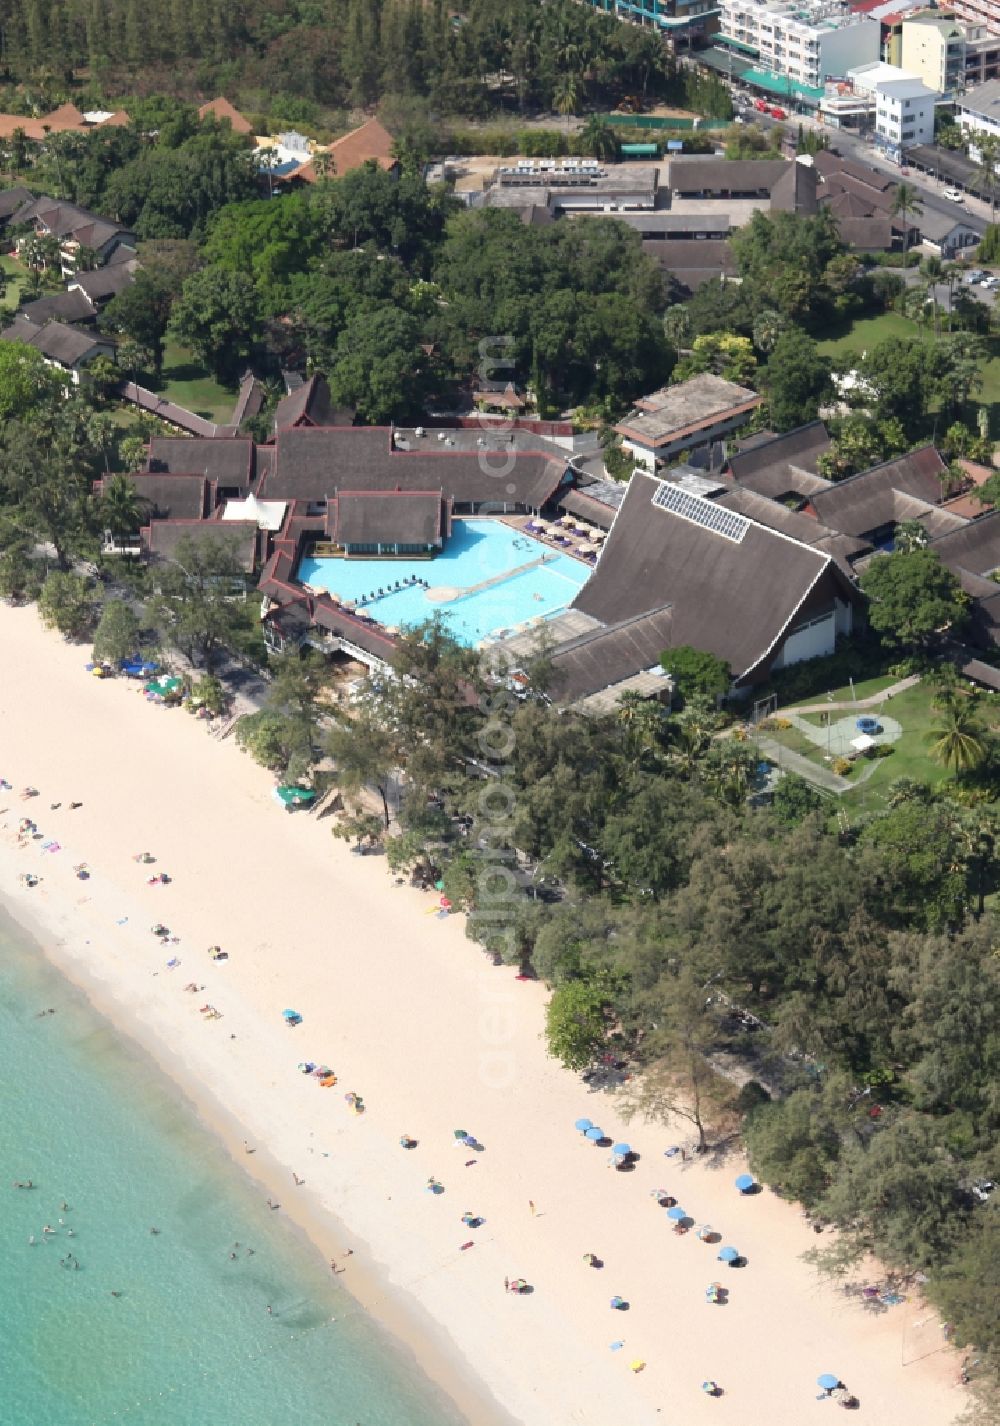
(566, 92)
(122, 507)
(985, 176)
(906, 204)
(958, 741)
(598, 137)
(932, 269)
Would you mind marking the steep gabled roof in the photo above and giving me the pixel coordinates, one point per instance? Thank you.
(372, 141)
(162, 537)
(785, 463)
(804, 528)
(308, 404)
(975, 547)
(373, 517)
(221, 109)
(867, 501)
(603, 657)
(731, 594)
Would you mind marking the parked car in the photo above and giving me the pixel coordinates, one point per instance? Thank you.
(761, 106)
(991, 281)
(777, 113)
(954, 195)
(973, 276)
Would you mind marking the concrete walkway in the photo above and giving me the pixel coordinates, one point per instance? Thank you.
(872, 701)
(820, 776)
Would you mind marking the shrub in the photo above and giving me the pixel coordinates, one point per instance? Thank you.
(882, 750)
(842, 766)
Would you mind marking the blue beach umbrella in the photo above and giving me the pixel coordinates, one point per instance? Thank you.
(677, 1213)
(593, 1134)
(728, 1255)
(584, 1124)
(621, 1150)
(745, 1182)
(828, 1381)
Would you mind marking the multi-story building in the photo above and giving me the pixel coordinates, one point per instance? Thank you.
(904, 115)
(977, 12)
(982, 55)
(934, 49)
(808, 42)
(675, 19)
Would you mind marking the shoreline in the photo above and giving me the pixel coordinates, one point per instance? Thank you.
(413, 1017)
(413, 1335)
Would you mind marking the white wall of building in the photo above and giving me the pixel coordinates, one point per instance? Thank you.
(901, 120)
(814, 639)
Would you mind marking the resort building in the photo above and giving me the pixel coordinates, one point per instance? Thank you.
(395, 522)
(722, 581)
(692, 413)
(68, 348)
(75, 230)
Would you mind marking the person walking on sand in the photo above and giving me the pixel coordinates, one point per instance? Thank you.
(532, 1207)
(506, 1284)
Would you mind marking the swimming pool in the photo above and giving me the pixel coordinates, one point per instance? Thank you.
(478, 551)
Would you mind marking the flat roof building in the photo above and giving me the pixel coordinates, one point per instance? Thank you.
(692, 413)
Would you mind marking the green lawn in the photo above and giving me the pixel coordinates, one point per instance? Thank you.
(866, 331)
(190, 385)
(910, 756)
(15, 274)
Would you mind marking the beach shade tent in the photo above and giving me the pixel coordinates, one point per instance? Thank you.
(164, 687)
(621, 1151)
(828, 1381)
(460, 1135)
(862, 743)
(291, 1017)
(676, 1213)
(295, 796)
(745, 1182)
(729, 1255)
(594, 1134)
(137, 667)
(583, 1125)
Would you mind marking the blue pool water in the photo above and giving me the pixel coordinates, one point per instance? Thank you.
(189, 1341)
(478, 550)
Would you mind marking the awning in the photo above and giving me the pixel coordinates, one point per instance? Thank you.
(575, 502)
(736, 45)
(778, 84)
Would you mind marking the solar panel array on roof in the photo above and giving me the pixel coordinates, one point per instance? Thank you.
(701, 512)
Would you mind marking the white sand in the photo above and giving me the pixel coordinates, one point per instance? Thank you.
(414, 1018)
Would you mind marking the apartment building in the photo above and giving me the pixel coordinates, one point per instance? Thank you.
(933, 49)
(808, 42)
(673, 18)
(978, 112)
(978, 12)
(982, 54)
(904, 115)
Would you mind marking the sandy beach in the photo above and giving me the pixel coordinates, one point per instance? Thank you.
(414, 1018)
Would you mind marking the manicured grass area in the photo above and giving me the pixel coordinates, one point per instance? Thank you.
(190, 385)
(911, 757)
(863, 688)
(16, 276)
(858, 336)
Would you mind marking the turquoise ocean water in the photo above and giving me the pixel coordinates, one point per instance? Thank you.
(189, 1342)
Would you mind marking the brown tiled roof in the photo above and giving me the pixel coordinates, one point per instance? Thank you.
(105, 282)
(975, 547)
(70, 306)
(65, 115)
(11, 199)
(692, 261)
(804, 528)
(603, 657)
(733, 598)
(308, 404)
(371, 141)
(221, 109)
(66, 345)
(312, 463)
(870, 235)
(388, 517)
(724, 175)
(172, 497)
(595, 512)
(868, 501)
(830, 163)
(162, 537)
(229, 462)
(784, 464)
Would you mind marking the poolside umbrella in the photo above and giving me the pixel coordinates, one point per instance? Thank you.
(594, 1134)
(583, 1125)
(568, 520)
(676, 1213)
(745, 1182)
(621, 1150)
(728, 1255)
(828, 1381)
